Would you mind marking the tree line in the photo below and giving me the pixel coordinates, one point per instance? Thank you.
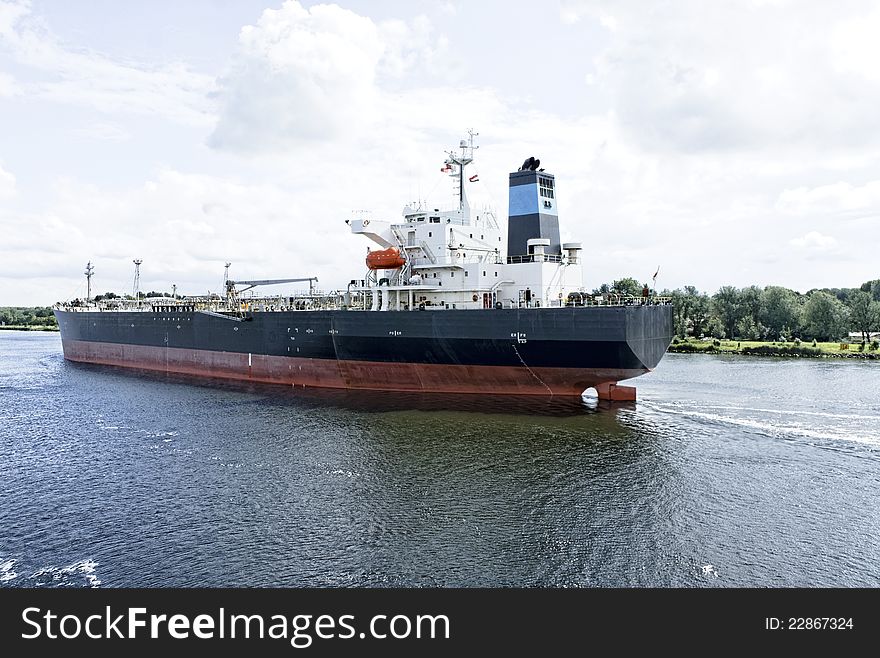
(773, 313)
(27, 316)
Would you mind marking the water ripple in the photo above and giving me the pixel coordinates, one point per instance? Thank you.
(727, 473)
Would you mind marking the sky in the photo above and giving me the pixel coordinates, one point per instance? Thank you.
(726, 143)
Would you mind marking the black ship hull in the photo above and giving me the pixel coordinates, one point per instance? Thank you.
(559, 351)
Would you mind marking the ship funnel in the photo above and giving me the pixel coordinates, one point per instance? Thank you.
(532, 211)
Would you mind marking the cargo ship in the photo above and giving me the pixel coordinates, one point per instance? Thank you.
(443, 304)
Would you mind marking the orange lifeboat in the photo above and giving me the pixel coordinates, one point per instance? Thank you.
(387, 259)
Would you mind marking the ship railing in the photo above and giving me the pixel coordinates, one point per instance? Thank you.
(81, 306)
(587, 299)
(535, 258)
(436, 217)
(315, 292)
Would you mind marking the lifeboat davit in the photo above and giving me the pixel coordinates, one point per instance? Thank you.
(387, 259)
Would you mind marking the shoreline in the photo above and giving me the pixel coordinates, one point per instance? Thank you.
(15, 327)
(778, 350)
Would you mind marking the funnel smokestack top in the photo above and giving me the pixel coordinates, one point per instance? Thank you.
(532, 209)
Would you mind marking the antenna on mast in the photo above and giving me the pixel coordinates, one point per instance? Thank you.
(226, 276)
(137, 277)
(90, 271)
(463, 160)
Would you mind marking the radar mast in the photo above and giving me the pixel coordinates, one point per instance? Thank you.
(463, 160)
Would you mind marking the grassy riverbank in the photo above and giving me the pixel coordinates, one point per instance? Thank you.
(787, 349)
(28, 327)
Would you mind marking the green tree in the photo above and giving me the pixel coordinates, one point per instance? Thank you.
(780, 309)
(714, 327)
(679, 312)
(727, 307)
(627, 286)
(106, 295)
(825, 316)
(872, 287)
(38, 316)
(751, 302)
(698, 310)
(748, 329)
(842, 294)
(690, 311)
(864, 313)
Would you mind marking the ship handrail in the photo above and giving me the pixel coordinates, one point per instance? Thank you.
(573, 299)
(613, 299)
(535, 258)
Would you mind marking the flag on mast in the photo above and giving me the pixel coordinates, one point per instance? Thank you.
(655, 274)
(474, 178)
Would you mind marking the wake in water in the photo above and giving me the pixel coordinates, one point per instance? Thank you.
(794, 412)
(78, 574)
(851, 430)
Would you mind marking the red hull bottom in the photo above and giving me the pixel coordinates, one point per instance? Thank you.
(366, 375)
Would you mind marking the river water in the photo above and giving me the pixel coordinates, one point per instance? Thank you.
(729, 472)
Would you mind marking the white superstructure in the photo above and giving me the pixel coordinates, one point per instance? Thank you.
(457, 258)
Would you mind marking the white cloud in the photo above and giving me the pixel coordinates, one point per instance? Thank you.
(90, 79)
(302, 75)
(8, 85)
(608, 22)
(710, 135)
(814, 241)
(855, 48)
(184, 226)
(839, 198)
(410, 47)
(11, 12)
(103, 131)
(7, 184)
(700, 77)
(571, 11)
